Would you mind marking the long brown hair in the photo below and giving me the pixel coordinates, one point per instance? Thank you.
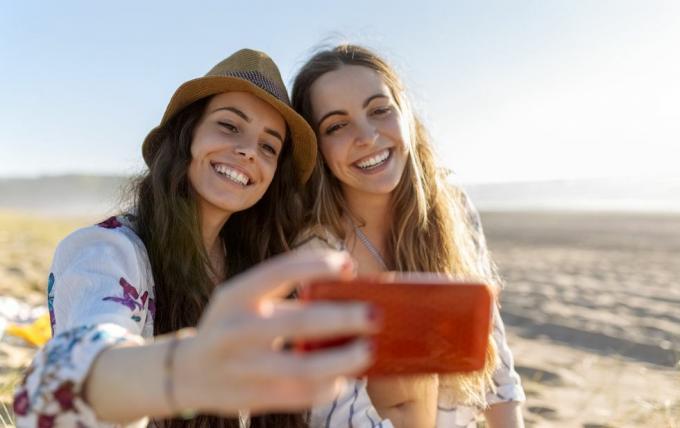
(436, 228)
(167, 221)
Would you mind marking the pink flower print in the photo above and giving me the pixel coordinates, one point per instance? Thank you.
(65, 396)
(110, 223)
(152, 308)
(130, 296)
(128, 289)
(21, 403)
(46, 421)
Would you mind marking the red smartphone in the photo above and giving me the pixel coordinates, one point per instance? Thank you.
(430, 324)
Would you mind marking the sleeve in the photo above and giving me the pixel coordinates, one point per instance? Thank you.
(485, 264)
(352, 408)
(506, 380)
(98, 296)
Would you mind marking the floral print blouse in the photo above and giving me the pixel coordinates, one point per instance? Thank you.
(100, 294)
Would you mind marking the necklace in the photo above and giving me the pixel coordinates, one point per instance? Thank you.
(370, 247)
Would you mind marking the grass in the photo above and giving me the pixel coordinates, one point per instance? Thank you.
(27, 243)
(6, 390)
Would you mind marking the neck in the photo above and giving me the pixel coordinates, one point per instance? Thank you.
(376, 212)
(212, 220)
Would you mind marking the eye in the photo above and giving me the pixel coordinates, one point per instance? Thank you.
(335, 127)
(269, 148)
(381, 111)
(229, 127)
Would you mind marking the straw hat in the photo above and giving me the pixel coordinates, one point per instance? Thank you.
(247, 71)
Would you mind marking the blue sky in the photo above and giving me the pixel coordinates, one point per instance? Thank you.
(510, 90)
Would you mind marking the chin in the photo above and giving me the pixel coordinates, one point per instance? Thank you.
(231, 207)
(377, 189)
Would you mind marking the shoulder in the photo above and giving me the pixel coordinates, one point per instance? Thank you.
(461, 201)
(114, 236)
(93, 255)
(318, 236)
(101, 274)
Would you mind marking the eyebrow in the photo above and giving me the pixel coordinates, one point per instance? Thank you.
(274, 133)
(371, 98)
(343, 112)
(248, 119)
(235, 111)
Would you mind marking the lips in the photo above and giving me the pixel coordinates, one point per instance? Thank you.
(232, 173)
(374, 160)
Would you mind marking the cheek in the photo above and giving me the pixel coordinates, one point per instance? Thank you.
(333, 153)
(204, 142)
(194, 164)
(270, 171)
(194, 173)
(402, 131)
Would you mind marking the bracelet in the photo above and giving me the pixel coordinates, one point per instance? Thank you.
(169, 384)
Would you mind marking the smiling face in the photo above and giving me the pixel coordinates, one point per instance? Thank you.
(235, 151)
(363, 137)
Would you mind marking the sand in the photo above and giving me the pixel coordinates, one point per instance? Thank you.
(592, 305)
(592, 308)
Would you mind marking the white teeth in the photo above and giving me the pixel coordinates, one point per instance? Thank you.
(232, 174)
(374, 161)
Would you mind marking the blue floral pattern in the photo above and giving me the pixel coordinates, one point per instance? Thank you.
(55, 397)
(50, 300)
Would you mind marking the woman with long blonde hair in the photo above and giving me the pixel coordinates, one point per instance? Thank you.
(377, 192)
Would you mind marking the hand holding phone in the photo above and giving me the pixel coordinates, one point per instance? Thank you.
(431, 324)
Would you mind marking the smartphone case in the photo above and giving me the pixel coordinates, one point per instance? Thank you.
(428, 327)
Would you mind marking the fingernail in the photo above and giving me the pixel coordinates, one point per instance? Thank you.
(349, 266)
(374, 314)
(372, 346)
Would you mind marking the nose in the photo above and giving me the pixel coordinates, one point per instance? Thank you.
(367, 134)
(246, 150)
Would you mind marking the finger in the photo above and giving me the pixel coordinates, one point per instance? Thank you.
(345, 360)
(277, 277)
(319, 320)
(295, 320)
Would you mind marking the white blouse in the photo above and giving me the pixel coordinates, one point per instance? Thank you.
(100, 293)
(353, 408)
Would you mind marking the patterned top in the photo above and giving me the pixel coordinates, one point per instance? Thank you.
(353, 408)
(100, 293)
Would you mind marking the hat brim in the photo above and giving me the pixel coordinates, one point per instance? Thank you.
(302, 136)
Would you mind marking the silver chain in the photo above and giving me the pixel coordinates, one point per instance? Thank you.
(370, 247)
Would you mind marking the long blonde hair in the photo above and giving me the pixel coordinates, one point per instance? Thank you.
(436, 229)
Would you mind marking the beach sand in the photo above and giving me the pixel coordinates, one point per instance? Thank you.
(591, 305)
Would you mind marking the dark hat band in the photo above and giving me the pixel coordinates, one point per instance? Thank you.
(258, 79)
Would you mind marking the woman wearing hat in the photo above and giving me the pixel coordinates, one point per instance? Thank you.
(144, 323)
(377, 192)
